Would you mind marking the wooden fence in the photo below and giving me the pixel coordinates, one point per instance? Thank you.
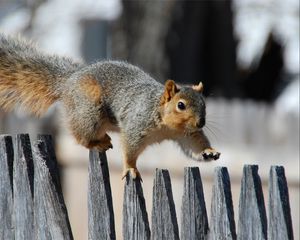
(32, 204)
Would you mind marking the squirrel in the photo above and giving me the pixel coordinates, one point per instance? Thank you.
(105, 96)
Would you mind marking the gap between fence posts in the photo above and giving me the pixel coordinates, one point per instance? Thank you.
(101, 223)
(50, 212)
(6, 187)
(135, 217)
(280, 220)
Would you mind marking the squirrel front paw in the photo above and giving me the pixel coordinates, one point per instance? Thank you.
(210, 154)
(133, 172)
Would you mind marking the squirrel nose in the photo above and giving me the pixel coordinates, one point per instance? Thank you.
(201, 123)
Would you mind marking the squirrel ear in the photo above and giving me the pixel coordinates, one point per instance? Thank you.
(170, 90)
(198, 88)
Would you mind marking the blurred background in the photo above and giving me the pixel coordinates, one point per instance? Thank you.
(246, 52)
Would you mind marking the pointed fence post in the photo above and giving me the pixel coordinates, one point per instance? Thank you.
(6, 187)
(194, 222)
(135, 217)
(280, 220)
(164, 220)
(252, 212)
(100, 208)
(23, 189)
(222, 224)
(50, 212)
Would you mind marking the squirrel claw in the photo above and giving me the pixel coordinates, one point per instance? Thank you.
(133, 172)
(210, 154)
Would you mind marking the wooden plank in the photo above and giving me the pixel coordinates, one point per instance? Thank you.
(194, 221)
(164, 220)
(135, 217)
(101, 221)
(6, 187)
(50, 212)
(222, 224)
(23, 188)
(280, 220)
(252, 213)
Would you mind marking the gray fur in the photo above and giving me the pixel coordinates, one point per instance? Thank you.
(129, 94)
(130, 99)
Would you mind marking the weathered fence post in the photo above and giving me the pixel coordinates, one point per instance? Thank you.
(100, 208)
(50, 213)
(164, 220)
(280, 221)
(6, 187)
(194, 222)
(23, 188)
(252, 213)
(222, 225)
(135, 217)
(32, 204)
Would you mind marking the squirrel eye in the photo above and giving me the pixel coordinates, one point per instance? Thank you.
(181, 105)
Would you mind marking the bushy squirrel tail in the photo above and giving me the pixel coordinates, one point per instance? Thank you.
(30, 79)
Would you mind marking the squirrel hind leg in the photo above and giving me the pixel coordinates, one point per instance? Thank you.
(87, 116)
(90, 132)
(99, 144)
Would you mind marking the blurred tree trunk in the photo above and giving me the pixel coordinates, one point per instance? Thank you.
(264, 81)
(188, 41)
(202, 47)
(139, 35)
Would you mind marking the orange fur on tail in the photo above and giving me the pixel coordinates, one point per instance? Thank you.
(29, 78)
(26, 89)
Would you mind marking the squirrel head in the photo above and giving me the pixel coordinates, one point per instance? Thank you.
(183, 109)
